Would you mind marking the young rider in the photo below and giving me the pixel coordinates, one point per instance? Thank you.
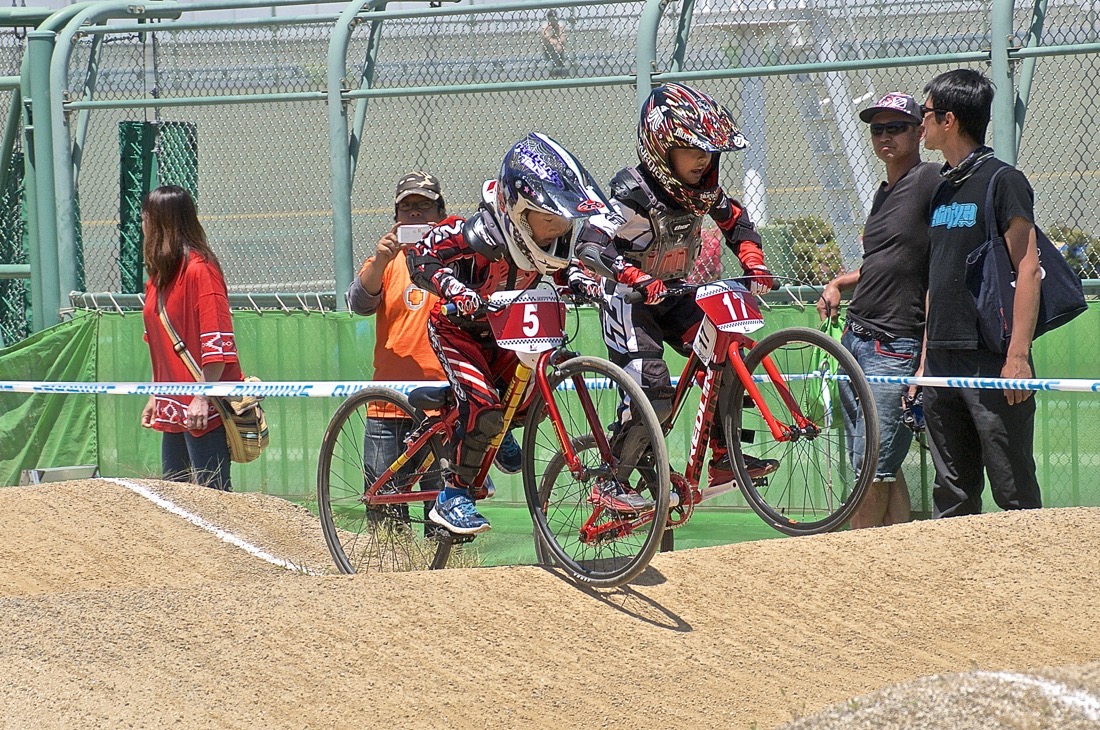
(681, 136)
(524, 229)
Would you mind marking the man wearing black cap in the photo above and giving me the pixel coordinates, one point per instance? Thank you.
(885, 320)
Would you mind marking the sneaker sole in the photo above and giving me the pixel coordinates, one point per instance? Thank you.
(507, 471)
(627, 511)
(438, 519)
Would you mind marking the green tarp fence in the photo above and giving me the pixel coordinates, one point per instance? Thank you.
(44, 430)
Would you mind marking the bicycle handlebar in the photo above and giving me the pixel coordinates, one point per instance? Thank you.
(636, 297)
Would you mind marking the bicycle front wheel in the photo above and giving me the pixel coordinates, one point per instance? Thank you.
(815, 488)
(366, 434)
(594, 544)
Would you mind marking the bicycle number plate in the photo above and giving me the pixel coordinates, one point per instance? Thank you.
(527, 321)
(729, 306)
(706, 337)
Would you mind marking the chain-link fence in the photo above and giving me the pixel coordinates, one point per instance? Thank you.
(14, 292)
(261, 167)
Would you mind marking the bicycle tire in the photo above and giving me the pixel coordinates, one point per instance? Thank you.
(387, 538)
(815, 489)
(559, 502)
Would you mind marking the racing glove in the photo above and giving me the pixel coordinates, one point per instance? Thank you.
(466, 300)
(582, 285)
(654, 289)
(752, 261)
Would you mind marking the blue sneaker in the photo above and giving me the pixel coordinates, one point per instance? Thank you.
(459, 515)
(509, 458)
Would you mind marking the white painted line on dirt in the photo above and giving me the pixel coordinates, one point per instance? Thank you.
(211, 528)
(1078, 699)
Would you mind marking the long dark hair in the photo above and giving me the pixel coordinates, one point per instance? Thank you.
(172, 220)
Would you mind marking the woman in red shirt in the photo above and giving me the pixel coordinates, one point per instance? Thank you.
(185, 274)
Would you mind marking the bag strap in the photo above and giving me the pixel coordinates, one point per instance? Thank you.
(177, 343)
(990, 221)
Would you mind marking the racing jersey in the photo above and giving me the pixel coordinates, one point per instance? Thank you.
(658, 236)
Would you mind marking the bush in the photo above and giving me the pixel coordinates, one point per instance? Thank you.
(1081, 249)
(815, 253)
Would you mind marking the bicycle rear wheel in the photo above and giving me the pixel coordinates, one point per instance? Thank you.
(365, 435)
(815, 489)
(593, 544)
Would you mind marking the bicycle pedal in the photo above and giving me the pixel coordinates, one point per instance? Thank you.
(760, 482)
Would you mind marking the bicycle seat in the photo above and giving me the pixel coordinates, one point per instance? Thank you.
(432, 399)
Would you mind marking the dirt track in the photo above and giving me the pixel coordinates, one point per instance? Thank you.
(114, 612)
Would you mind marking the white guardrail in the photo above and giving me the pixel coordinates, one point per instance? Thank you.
(342, 389)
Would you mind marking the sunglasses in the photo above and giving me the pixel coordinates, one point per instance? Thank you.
(926, 110)
(892, 128)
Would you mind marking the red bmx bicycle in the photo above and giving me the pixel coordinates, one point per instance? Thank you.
(779, 398)
(382, 454)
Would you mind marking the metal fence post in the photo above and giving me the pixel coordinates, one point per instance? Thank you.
(1000, 69)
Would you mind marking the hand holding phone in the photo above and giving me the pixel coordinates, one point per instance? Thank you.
(407, 234)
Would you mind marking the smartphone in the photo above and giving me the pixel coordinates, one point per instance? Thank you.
(411, 233)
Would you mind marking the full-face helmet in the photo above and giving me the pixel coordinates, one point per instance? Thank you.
(538, 174)
(673, 116)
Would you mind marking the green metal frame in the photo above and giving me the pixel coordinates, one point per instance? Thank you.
(53, 163)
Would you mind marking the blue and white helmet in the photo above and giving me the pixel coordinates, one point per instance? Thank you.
(539, 174)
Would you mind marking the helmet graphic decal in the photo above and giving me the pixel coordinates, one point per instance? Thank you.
(679, 116)
(539, 175)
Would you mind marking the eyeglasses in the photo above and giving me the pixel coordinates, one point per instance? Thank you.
(926, 110)
(892, 128)
(423, 206)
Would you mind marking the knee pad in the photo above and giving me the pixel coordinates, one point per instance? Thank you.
(488, 423)
(473, 444)
(663, 409)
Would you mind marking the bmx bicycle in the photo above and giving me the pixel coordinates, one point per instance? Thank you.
(780, 398)
(374, 518)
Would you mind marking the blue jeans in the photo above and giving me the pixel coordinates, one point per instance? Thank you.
(384, 441)
(899, 357)
(201, 459)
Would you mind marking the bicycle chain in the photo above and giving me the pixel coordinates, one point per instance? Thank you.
(686, 507)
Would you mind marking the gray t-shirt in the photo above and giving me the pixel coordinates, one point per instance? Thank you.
(893, 278)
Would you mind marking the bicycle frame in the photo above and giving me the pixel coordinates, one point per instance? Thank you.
(727, 350)
(517, 395)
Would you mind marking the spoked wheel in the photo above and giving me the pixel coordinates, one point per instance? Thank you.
(593, 543)
(815, 489)
(365, 435)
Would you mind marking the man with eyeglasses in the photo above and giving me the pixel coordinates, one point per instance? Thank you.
(885, 319)
(968, 427)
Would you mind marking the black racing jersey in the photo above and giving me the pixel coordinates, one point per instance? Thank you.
(957, 228)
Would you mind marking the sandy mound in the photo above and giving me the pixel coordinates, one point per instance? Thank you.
(117, 613)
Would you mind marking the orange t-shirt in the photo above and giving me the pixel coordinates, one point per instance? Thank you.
(401, 349)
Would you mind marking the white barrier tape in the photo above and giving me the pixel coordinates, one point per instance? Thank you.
(336, 389)
(319, 389)
(194, 519)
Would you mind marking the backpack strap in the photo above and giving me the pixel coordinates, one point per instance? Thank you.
(991, 231)
(177, 343)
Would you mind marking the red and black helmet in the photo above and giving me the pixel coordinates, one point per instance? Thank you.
(673, 116)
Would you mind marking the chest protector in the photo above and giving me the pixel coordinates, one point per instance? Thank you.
(676, 233)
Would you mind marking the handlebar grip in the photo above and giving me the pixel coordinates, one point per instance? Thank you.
(449, 309)
(634, 297)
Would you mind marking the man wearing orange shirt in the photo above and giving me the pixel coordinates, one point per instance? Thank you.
(401, 350)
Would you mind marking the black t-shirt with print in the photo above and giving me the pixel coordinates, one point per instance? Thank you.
(893, 277)
(957, 228)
